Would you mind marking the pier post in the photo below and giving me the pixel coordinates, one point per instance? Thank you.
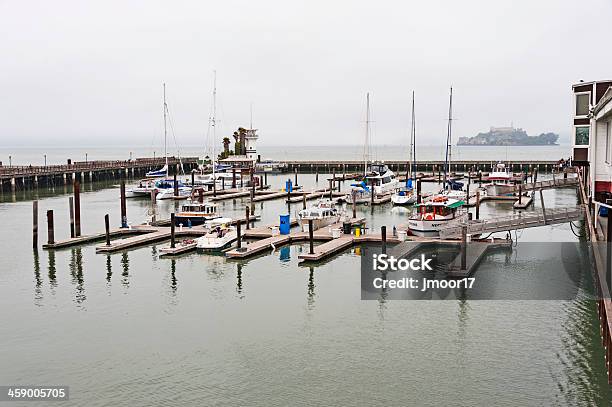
(123, 206)
(265, 179)
(247, 217)
(192, 179)
(77, 209)
(343, 171)
(153, 196)
(223, 184)
(175, 184)
(372, 192)
(233, 178)
(354, 196)
(34, 224)
(418, 191)
(50, 230)
(334, 178)
(252, 198)
(303, 201)
(71, 209)
(239, 239)
(478, 204)
(543, 207)
(383, 238)
(317, 175)
(520, 193)
(467, 191)
(310, 236)
(463, 246)
(172, 230)
(296, 176)
(331, 190)
(107, 229)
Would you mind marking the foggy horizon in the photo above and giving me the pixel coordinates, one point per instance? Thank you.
(92, 74)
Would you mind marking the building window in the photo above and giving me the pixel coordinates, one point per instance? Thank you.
(582, 103)
(582, 136)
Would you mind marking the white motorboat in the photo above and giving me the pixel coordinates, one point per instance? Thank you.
(196, 213)
(144, 188)
(433, 215)
(404, 196)
(500, 181)
(324, 213)
(221, 234)
(380, 179)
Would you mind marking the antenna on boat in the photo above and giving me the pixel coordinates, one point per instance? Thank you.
(448, 140)
(165, 129)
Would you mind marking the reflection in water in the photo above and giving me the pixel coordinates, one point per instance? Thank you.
(37, 287)
(173, 277)
(109, 268)
(311, 288)
(239, 280)
(52, 270)
(76, 270)
(125, 265)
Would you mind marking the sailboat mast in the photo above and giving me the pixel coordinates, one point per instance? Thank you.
(413, 142)
(165, 130)
(448, 140)
(213, 123)
(366, 146)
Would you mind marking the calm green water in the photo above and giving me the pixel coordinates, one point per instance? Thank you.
(131, 329)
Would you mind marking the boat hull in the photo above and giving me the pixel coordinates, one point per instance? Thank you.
(318, 223)
(397, 199)
(216, 244)
(499, 189)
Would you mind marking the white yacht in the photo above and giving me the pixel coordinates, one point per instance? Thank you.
(500, 181)
(433, 215)
(404, 196)
(324, 213)
(221, 234)
(379, 178)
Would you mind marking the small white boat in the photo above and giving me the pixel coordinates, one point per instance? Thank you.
(144, 188)
(324, 213)
(500, 181)
(196, 213)
(433, 215)
(404, 196)
(221, 234)
(379, 178)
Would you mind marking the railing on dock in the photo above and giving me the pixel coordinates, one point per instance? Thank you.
(520, 220)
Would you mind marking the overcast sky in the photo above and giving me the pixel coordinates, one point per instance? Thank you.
(89, 73)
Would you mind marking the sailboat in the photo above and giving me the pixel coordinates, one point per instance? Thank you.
(436, 212)
(378, 179)
(406, 195)
(452, 189)
(162, 172)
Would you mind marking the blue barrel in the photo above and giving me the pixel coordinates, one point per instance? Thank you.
(285, 225)
(288, 186)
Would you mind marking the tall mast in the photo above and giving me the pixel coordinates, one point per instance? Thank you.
(165, 130)
(366, 147)
(213, 122)
(413, 142)
(448, 139)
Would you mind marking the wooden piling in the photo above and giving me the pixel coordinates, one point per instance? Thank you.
(172, 232)
(383, 238)
(354, 196)
(77, 209)
(310, 236)
(543, 207)
(175, 184)
(239, 239)
(123, 205)
(223, 183)
(296, 177)
(463, 246)
(265, 179)
(520, 193)
(71, 209)
(50, 229)
(34, 224)
(247, 217)
(153, 196)
(372, 192)
(107, 229)
(418, 191)
(304, 201)
(192, 179)
(233, 178)
(478, 204)
(317, 175)
(331, 190)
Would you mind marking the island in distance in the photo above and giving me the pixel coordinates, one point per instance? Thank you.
(508, 136)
